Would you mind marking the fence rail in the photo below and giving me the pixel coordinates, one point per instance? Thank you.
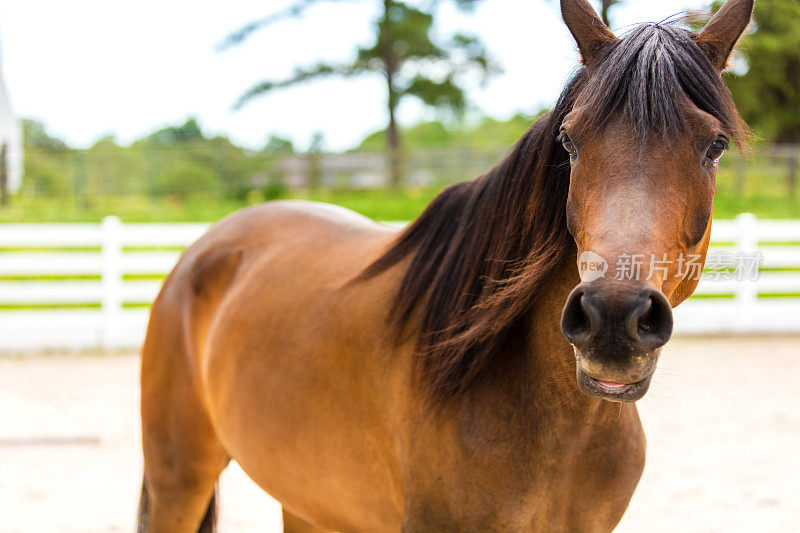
(86, 286)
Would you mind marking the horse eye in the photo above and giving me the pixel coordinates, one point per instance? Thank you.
(567, 143)
(716, 149)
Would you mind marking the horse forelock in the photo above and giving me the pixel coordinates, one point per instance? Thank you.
(646, 75)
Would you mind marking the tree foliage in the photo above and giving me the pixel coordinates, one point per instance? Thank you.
(486, 133)
(767, 93)
(177, 162)
(277, 145)
(171, 135)
(35, 136)
(47, 158)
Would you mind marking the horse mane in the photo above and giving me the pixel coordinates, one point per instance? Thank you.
(483, 250)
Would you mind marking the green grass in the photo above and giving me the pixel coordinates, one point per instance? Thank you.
(728, 205)
(129, 209)
(376, 204)
(764, 190)
(78, 277)
(81, 305)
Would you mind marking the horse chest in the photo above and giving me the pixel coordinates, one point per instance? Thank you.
(546, 474)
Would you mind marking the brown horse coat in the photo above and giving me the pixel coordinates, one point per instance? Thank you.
(316, 403)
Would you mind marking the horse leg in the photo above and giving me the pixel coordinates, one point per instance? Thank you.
(293, 524)
(207, 525)
(182, 455)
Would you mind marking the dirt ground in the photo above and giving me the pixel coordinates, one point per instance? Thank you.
(722, 421)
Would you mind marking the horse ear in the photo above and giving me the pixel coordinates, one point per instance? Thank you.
(721, 33)
(591, 34)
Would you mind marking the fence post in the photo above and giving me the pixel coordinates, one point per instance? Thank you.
(747, 247)
(111, 282)
(740, 175)
(4, 174)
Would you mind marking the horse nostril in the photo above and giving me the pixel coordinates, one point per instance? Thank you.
(580, 319)
(651, 321)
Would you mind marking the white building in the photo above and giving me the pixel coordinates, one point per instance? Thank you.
(11, 136)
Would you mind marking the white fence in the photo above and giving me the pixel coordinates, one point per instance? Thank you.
(84, 286)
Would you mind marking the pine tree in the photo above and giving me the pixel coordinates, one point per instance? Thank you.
(405, 53)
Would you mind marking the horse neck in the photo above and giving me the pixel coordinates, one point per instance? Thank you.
(550, 360)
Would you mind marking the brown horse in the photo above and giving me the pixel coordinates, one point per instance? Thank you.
(376, 380)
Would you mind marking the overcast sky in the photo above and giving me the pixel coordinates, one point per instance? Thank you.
(88, 68)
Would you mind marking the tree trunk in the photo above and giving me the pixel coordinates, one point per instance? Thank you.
(314, 177)
(392, 131)
(393, 144)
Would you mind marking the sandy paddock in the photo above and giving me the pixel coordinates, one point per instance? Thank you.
(722, 422)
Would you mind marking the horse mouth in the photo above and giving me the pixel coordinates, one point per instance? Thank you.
(612, 391)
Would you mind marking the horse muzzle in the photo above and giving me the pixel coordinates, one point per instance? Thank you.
(617, 329)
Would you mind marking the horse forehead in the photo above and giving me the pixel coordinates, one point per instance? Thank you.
(620, 144)
(698, 122)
